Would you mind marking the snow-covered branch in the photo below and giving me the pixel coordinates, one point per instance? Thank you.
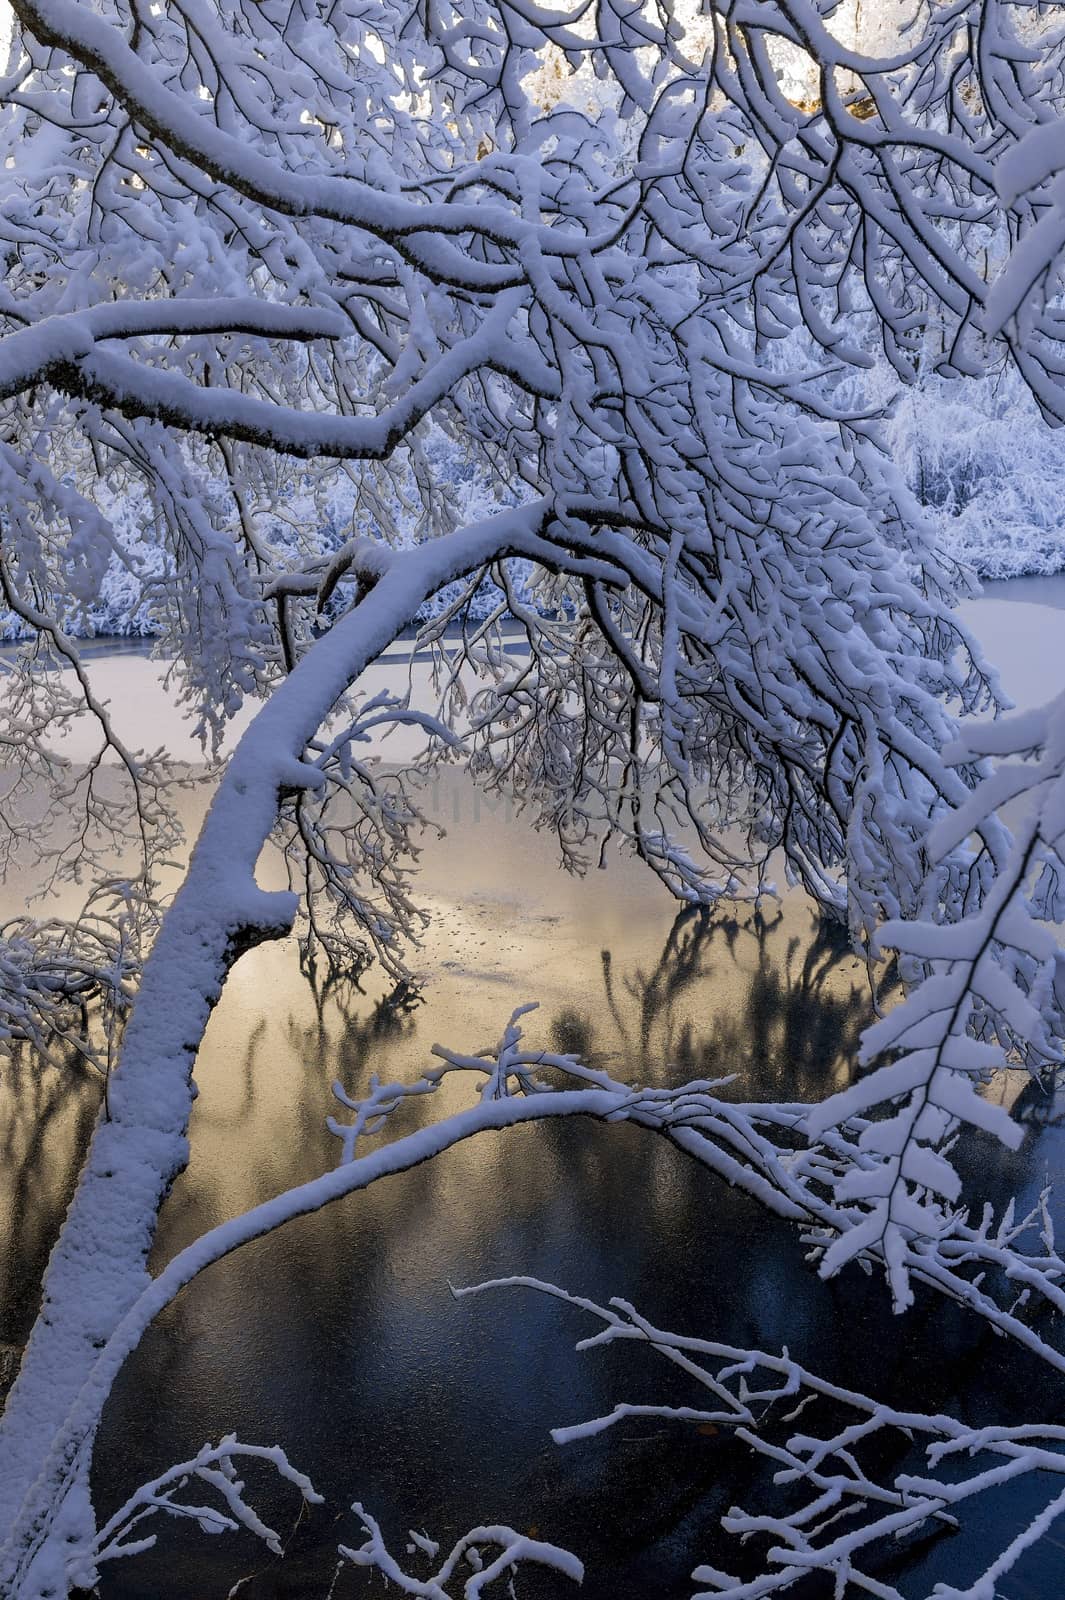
(492, 1552)
(989, 993)
(55, 344)
(834, 1508)
(213, 1466)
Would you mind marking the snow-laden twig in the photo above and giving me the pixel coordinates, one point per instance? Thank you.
(214, 1467)
(492, 1552)
(71, 984)
(839, 1507)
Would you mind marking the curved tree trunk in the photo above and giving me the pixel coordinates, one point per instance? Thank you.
(99, 1265)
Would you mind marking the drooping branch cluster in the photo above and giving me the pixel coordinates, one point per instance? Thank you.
(989, 993)
(70, 984)
(342, 232)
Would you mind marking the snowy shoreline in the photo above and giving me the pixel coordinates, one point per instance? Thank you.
(1016, 621)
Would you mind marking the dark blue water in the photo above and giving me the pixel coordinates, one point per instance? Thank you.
(337, 1337)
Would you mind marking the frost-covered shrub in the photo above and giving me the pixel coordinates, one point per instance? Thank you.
(981, 459)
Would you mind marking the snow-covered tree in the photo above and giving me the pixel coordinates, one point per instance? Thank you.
(269, 267)
(985, 466)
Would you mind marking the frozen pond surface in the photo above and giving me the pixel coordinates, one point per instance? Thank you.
(1021, 626)
(337, 1337)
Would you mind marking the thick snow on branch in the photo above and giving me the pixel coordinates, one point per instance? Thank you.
(44, 351)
